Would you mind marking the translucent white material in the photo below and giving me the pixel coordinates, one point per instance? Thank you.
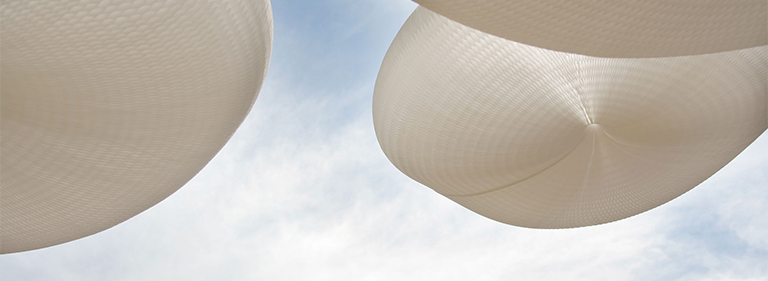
(109, 107)
(617, 28)
(546, 139)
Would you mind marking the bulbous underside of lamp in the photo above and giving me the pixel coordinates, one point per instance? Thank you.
(545, 139)
(617, 28)
(109, 107)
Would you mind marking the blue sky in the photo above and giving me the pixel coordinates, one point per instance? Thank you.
(303, 192)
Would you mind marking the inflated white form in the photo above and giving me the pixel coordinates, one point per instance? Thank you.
(108, 107)
(546, 139)
(617, 28)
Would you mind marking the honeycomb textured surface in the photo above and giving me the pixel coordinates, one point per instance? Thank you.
(617, 28)
(108, 107)
(545, 139)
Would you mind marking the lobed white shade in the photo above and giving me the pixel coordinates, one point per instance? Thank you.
(545, 139)
(617, 28)
(108, 107)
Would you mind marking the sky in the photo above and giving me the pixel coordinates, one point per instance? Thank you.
(302, 191)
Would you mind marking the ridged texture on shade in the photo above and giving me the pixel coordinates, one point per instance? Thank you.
(617, 28)
(108, 107)
(545, 139)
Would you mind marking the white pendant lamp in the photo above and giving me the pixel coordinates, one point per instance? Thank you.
(545, 139)
(617, 28)
(110, 107)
